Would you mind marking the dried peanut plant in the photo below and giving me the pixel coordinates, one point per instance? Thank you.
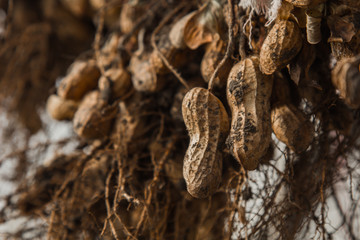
(160, 119)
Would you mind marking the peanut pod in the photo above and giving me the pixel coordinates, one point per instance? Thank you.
(175, 57)
(207, 123)
(93, 118)
(176, 34)
(130, 12)
(116, 81)
(291, 126)
(205, 25)
(61, 109)
(248, 94)
(144, 77)
(346, 78)
(214, 53)
(81, 78)
(305, 3)
(109, 56)
(281, 45)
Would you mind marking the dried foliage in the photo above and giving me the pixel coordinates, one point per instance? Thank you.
(159, 156)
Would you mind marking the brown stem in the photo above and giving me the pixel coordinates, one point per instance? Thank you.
(163, 58)
(229, 49)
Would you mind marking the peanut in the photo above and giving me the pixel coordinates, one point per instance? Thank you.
(207, 123)
(82, 77)
(109, 56)
(248, 94)
(93, 118)
(346, 78)
(144, 77)
(304, 3)
(174, 56)
(130, 12)
(176, 34)
(214, 53)
(281, 45)
(120, 81)
(205, 25)
(291, 126)
(61, 109)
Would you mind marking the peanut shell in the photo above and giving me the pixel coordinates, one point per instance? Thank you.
(61, 109)
(214, 53)
(248, 93)
(130, 12)
(81, 78)
(204, 26)
(291, 126)
(93, 118)
(281, 45)
(144, 77)
(176, 34)
(175, 57)
(207, 123)
(304, 3)
(120, 82)
(109, 56)
(346, 78)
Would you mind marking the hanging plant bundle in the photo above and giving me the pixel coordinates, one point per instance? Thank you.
(210, 119)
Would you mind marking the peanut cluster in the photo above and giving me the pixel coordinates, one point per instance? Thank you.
(270, 75)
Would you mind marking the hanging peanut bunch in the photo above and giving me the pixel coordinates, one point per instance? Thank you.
(210, 119)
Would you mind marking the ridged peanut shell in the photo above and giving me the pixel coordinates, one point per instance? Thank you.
(291, 126)
(207, 123)
(346, 78)
(282, 44)
(81, 78)
(248, 93)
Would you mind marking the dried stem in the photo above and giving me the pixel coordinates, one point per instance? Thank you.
(242, 40)
(229, 48)
(107, 203)
(97, 39)
(156, 48)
